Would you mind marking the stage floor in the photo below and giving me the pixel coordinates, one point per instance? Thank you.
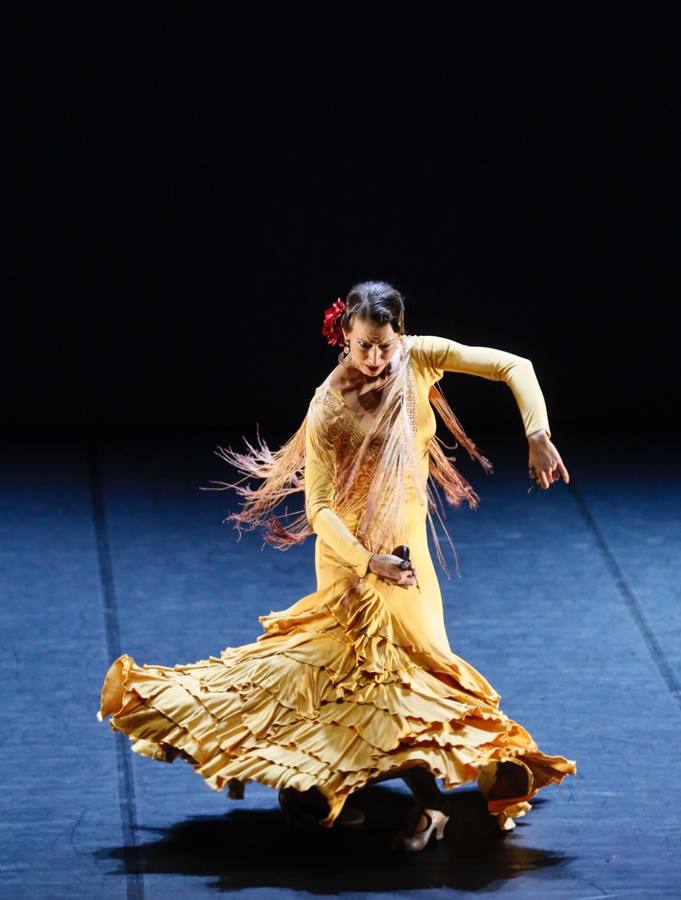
(569, 602)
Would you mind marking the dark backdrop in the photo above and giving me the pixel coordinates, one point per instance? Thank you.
(196, 185)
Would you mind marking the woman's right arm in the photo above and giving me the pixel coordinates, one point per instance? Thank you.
(326, 523)
(319, 472)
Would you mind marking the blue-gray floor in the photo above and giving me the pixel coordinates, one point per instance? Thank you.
(569, 603)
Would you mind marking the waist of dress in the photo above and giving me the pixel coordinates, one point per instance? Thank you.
(413, 516)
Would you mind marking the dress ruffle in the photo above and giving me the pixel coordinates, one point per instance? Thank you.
(335, 694)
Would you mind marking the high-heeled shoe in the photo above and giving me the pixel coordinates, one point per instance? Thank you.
(411, 840)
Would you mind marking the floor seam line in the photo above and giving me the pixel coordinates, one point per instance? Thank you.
(654, 648)
(126, 784)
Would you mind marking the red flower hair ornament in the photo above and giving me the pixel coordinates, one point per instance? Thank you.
(331, 328)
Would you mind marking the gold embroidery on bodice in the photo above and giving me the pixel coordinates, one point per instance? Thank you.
(347, 435)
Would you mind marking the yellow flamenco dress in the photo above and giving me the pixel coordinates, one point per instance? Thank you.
(356, 681)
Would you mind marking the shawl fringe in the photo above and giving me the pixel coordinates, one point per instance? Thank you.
(282, 473)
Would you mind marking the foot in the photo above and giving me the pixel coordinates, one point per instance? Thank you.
(307, 809)
(299, 809)
(350, 817)
(421, 824)
(235, 789)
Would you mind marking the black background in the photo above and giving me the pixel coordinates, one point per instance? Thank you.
(196, 184)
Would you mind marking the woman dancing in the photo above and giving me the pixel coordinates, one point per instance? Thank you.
(356, 682)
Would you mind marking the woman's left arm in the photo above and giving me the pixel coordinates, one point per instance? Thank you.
(443, 355)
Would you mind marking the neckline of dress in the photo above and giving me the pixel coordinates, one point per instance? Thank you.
(406, 360)
(349, 409)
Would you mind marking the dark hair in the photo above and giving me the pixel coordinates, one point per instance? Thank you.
(374, 301)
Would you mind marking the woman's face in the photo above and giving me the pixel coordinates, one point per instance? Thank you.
(372, 346)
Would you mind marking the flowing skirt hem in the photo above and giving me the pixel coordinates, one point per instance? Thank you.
(332, 698)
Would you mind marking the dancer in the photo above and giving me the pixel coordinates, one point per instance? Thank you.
(356, 682)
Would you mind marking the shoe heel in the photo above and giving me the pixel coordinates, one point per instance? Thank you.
(440, 829)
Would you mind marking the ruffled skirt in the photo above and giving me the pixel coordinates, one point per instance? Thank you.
(334, 695)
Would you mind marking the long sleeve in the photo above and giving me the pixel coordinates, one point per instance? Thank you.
(440, 355)
(319, 471)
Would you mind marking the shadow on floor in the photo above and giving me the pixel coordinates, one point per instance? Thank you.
(256, 848)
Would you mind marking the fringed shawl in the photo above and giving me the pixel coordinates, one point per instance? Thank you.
(387, 453)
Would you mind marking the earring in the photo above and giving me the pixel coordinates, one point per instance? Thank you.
(344, 357)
